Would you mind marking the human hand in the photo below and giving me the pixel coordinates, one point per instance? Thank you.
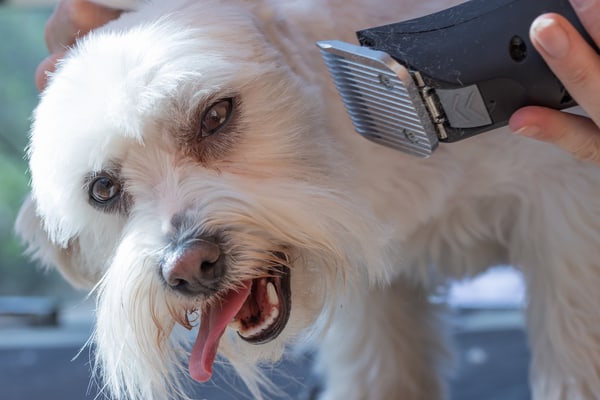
(70, 20)
(577, 65)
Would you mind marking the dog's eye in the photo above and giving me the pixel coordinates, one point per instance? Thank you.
(104, 189)
(216, 117)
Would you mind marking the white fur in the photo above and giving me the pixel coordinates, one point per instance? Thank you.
(369, 231)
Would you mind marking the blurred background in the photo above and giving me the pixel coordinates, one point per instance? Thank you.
(44, 324)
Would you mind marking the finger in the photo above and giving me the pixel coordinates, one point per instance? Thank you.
(74, 18)
(47, 66)
(572, 60)
(588, 12)
(575, 133)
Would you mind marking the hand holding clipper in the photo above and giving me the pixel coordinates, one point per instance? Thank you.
(578, 67)
(449, 75)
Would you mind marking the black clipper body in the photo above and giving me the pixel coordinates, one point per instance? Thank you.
(446, 76)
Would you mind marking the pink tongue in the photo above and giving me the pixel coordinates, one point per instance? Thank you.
(212, 326)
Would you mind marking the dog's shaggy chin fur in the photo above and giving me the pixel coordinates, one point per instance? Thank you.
(367, 232)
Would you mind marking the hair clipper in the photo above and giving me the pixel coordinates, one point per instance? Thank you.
(446, 76)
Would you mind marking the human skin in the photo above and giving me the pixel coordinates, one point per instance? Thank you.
(577, 65)
(70, 20)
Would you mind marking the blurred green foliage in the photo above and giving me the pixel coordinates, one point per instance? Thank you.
(21, 49)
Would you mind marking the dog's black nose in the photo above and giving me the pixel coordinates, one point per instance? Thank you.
(194, 268)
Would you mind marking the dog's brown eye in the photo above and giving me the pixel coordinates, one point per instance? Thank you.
(104, 189)
(216, 117)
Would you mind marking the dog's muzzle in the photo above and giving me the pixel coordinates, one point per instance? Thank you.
(258, 308)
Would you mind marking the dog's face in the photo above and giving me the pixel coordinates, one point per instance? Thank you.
(178, 164)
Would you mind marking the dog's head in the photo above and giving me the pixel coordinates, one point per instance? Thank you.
(183, 169)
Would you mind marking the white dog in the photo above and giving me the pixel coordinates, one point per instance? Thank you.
(193, 163)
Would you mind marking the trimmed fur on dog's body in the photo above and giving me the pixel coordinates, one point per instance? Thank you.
(367, 231)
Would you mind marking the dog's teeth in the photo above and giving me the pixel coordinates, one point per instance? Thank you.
(269, 312)
(272, 294)
(256, 330)
(236, 324)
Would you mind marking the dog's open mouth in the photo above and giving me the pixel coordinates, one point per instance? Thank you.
(259, 311)
(267, 309)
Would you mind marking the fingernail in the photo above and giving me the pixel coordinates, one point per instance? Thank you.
(582, 5)
(550, 36)
(528, 131)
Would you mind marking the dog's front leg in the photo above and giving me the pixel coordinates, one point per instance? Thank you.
(384, 344)
(564, 331)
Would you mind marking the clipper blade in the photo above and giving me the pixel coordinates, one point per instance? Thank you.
(382, 97)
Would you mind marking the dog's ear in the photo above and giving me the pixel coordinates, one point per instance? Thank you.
(67, 260)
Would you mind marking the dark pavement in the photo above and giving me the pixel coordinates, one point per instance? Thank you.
(492, 365)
